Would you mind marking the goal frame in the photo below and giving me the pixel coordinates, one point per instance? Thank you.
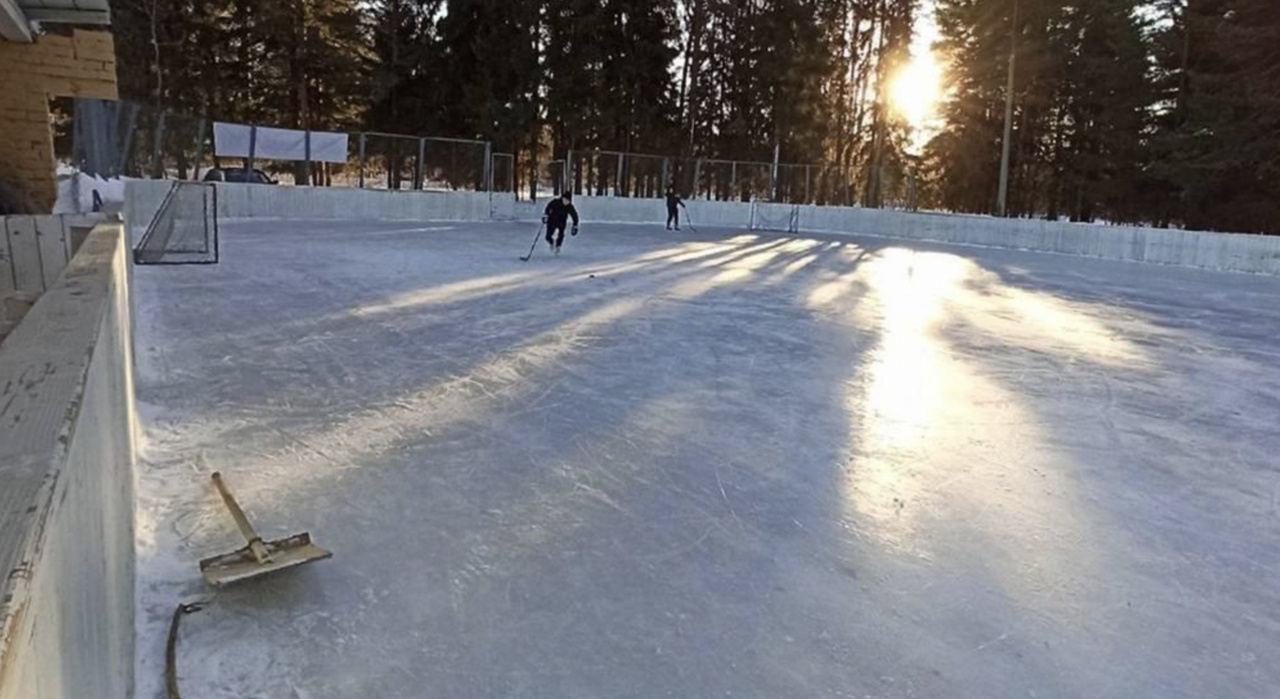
(760, 223)
(209, 211)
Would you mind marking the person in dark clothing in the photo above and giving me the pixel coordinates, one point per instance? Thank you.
(9, 201)
(673, 212)
(556, 216)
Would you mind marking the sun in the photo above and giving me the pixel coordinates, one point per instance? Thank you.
(916, 90)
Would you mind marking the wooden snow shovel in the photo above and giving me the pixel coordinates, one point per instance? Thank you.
(259, 557)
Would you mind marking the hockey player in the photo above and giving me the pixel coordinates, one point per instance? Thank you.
(556, 217)
(673, 201)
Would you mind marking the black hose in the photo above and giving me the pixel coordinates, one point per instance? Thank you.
(171, 648)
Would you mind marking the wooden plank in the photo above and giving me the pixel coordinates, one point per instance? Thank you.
(25, 248)
(7, 282)
(53, 248)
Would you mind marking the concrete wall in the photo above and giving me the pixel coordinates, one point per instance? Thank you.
(67, 441)
(82, 64)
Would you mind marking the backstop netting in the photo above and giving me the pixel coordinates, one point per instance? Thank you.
(784, 218)
(184, 229)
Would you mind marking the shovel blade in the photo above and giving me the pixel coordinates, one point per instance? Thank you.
(241, 565)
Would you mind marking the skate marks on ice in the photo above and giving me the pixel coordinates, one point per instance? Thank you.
(772, 466)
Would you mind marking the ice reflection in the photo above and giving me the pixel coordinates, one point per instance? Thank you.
(901, 395)
(943, 460)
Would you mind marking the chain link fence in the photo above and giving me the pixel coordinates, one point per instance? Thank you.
(613, 173)
(387, 161)
(539, 179)
(109, 138)
(455, 164)
(502, 173)
(122, 138)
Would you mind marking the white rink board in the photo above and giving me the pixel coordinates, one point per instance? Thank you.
(1215, 251)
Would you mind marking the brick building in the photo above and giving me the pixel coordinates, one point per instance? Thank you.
(46, 51)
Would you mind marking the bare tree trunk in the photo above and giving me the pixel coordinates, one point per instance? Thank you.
(153, 18)
(849, 48)
(535, 135)
(875, 193)
(690, 72)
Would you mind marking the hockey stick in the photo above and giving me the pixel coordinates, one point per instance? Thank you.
(689, 220)
(535, 244)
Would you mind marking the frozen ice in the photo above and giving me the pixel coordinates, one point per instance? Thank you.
(714, 464)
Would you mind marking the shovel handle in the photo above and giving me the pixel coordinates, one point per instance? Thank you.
(246, 529)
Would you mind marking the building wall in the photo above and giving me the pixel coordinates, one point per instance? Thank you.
(82, 64)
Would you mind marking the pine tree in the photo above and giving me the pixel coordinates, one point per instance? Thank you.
(975, 43)
(490, 76)
(1218, 131)
(407, 68)
(1081, 104)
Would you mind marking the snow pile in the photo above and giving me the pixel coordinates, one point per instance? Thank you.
(75, 193)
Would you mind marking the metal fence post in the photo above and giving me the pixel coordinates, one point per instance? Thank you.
(419, 166)
(361, 160)
(666, 164)
(568, 172)
(733, 180)
(488, 166)
(697, 176)
(195, 174)
(253, 148)
(773, 185)
(157, 164)
(806, 184)
(617, 183)
(126, 148)
(306, 172)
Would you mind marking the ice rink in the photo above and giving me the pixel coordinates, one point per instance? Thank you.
(723, 464)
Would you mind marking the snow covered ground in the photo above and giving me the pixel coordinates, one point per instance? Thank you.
(716, 464)
(75, 192)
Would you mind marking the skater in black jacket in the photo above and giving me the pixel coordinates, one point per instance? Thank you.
(556, 216)
(673, 201)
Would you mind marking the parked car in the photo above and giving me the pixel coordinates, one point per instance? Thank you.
(237, 174)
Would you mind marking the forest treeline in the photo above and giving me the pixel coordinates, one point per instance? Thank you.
(1161, 112)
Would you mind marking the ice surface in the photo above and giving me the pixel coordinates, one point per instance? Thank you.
(723, 464)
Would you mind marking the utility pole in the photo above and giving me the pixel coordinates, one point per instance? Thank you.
(1003, 204)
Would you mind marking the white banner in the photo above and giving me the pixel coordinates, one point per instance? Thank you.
(232, 140)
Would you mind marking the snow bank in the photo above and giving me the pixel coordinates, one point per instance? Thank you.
(75, 193)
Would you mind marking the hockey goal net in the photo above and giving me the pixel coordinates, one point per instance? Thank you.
(784, 218)
(184, 229)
